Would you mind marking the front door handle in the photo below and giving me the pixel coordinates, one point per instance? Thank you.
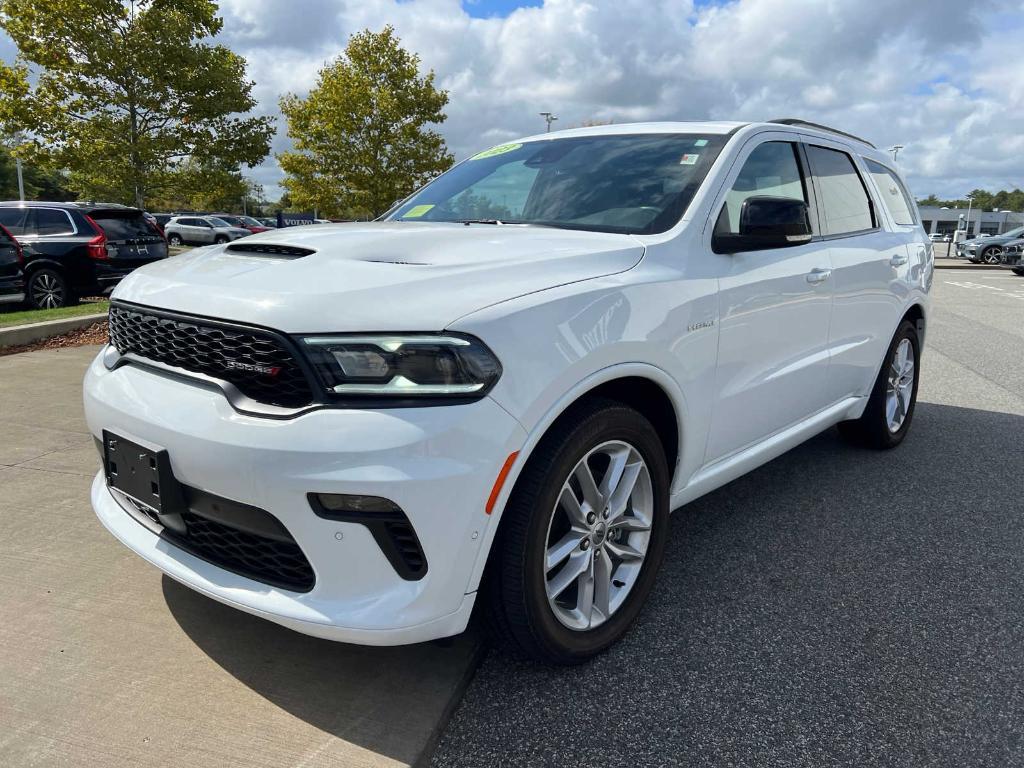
(898, 260)
(816, 276)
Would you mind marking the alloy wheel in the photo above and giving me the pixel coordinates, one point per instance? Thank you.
(900, 386)
(993, 255)
(47, 291)
(598, 535)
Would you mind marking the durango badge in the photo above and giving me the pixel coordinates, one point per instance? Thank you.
(266, 370)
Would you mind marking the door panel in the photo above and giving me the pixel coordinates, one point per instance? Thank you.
(870, 267)
(773, 345)
(774, 313)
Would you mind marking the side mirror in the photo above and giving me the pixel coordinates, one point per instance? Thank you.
(767, 222)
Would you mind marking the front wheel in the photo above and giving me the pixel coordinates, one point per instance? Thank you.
(992, 255)
(221, 239)
(582, 536)
(890, 409)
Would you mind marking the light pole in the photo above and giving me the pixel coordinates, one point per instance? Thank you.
(967, 226)
(895, 149)
(549, 118)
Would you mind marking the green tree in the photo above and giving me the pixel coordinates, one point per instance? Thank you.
(126, 92)
(361, 137)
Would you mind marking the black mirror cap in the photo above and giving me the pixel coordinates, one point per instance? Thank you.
(767, 222)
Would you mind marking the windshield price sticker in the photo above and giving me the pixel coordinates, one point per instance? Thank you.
(501, 149)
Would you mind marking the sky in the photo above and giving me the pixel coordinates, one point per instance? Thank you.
(944, 78)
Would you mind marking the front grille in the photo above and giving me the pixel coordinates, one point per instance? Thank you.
(272, 561)
(254, 361)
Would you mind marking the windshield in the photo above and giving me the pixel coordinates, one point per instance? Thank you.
(217, 222)
(249, 221)
(635, 184)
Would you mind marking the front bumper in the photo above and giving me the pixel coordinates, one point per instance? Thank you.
(438, 464)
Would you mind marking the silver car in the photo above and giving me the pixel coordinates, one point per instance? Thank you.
(201, 230)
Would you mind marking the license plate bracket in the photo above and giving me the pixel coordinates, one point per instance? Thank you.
(142, 473)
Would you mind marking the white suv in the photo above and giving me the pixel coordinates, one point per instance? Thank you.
(496, 393)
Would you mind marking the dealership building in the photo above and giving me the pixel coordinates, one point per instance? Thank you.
(946, 221)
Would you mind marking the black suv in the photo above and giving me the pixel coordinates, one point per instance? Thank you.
(79, 249)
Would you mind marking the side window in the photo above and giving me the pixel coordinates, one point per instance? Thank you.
(893, 193)
(50, 221)
(13, 219)
(773, 170)
(842, 196)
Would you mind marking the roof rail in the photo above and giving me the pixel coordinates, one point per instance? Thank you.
(820, 127)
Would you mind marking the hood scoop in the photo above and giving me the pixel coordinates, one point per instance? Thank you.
(269, 249)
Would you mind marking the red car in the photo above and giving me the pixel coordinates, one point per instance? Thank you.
(245, 222)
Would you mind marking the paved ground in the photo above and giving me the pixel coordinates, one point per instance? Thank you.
(103, 662)
(836, 607)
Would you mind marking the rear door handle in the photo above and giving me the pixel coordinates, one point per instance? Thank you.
(898, 260)
(816, 276)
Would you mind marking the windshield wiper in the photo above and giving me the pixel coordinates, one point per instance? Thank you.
(467, 222)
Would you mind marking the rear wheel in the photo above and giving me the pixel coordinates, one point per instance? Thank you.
(886, 419)
(174, 239)
(48, 289)
(582, 536)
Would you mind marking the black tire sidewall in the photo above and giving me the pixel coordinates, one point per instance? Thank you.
(220, 240)
(175, 239)
(615, 423)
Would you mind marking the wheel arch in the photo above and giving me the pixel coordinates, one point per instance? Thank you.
(648, 389)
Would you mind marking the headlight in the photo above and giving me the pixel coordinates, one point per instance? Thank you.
(403, 365)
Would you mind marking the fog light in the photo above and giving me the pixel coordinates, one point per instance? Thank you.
(344, 502)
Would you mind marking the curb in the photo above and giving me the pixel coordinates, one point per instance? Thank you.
(17, 335)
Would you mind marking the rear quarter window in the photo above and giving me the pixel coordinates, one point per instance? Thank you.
(894, 194)
(50, 222)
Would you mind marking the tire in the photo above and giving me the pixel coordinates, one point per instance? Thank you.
(47, 288)
(880, 426)
(221, 239)
(1018, 271)
(992, 255)
(537, 516)
(175, 239)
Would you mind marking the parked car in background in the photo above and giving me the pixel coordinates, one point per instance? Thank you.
(269, 223)
(1013, 256)
(12, 269)
(373, 426)
(935, 237)
(987, 249)
(79, 249)
(201, 230)
(244, 222)
(161, 219)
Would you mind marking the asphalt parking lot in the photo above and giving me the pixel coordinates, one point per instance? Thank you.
(836, 607)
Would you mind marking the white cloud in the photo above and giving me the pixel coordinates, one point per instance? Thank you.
(944, 78)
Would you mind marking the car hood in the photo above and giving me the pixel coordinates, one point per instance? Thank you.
(386, 276)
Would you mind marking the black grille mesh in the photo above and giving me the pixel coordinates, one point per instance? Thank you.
(254, 361)
(280, 563)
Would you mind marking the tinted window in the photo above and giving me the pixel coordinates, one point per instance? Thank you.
(893, 193)
(49, 221)
(637, 183)
(844, 201)
(213, 221)
(121, 227)
(13, 219)
(772, 170)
